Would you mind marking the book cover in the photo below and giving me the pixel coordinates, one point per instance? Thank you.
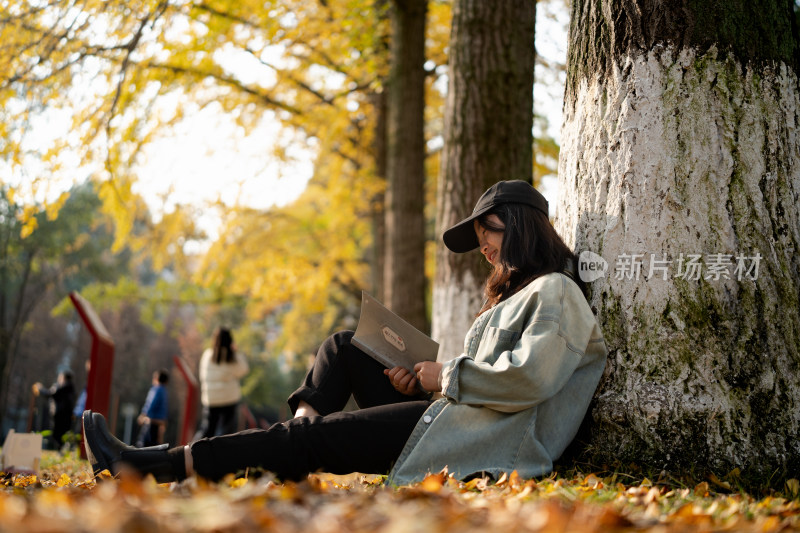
(389, 339)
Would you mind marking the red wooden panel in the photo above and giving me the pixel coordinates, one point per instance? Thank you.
(190, 403)
(98, 383)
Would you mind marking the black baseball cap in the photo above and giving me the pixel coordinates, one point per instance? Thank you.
(461, 237)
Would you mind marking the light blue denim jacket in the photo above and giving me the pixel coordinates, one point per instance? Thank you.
(516, 397)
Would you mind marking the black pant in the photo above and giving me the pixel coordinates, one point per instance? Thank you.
(149, 434)
(367, 440)
(62, 422)
(218, 420)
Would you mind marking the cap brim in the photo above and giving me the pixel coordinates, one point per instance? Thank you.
(461, 238)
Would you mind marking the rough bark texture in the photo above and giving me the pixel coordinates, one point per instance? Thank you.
(379, 147)
(488, 121)
(602, 31)
(404, 278)
(678, 142)
(379, 101)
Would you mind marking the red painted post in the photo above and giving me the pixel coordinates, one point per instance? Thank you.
(190, 403)
(98, 383)
(101, 361)
(246, 417)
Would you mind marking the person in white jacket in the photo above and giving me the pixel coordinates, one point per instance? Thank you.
(221, 368)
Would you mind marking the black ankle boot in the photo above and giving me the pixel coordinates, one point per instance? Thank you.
(106, 452)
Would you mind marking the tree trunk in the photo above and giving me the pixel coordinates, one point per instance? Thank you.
(488, 138)
(680, 153)
(377, 261)
(404, 279)
(380, 156)
(12, 331)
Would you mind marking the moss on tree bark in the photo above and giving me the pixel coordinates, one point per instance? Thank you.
(602, 31)
(680, 138)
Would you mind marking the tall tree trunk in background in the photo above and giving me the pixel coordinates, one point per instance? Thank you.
(20, 305)
(488, 138)
(378, 259)
(404, 278)
(380, 150)
(680, 144)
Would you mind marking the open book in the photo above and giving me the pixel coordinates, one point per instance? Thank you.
(389, 339)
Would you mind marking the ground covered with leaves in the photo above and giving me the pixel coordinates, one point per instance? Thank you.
(65, 497)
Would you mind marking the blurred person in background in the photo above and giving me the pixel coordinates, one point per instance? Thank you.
(153, 418)
(80, 404)
(221, 368)
(61, 397)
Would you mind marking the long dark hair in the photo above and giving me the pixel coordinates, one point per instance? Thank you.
(223, 347)
(531, 248)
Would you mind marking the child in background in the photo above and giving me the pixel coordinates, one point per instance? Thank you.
(153, 418)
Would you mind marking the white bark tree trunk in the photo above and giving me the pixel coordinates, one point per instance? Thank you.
(671, 151)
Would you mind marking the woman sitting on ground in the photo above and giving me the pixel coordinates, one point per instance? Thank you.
(512, 401)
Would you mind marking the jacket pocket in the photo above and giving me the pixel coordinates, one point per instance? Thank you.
(494, 342)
